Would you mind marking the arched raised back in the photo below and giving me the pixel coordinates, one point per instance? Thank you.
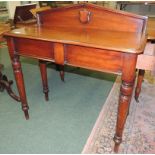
(91, 16)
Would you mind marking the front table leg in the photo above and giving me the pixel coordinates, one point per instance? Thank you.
(126, 89)
(123, 110)
(20, 84)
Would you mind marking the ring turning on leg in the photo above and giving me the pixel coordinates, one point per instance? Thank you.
(123, 110)
(126, 89)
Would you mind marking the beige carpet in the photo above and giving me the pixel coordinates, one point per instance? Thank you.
(139, 132)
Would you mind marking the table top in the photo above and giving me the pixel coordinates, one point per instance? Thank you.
(112, 40)
(85, 25)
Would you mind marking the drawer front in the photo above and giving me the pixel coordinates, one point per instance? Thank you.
(34, 48)
(96, 59)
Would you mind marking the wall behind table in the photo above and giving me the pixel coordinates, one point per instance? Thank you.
(141, 9)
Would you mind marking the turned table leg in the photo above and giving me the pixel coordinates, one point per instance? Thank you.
(139, 83)
(128, 78)
(20, 84)
(43, 70)
(123, 111)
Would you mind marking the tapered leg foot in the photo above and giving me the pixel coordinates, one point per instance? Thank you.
(26, 113)
(117, 141)
(62, 75)
(25, 109)
(136, 98)
(46, 93)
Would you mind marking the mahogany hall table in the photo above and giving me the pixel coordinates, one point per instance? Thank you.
(87, 36)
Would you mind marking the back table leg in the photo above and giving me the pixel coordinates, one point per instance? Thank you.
(139, 83)
(43, 70)
(62, 73)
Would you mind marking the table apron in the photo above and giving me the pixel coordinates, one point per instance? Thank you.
(75, 55)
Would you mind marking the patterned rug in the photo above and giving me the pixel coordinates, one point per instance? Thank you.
(139, 132)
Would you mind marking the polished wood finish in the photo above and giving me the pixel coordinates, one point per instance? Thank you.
(68, 17)
(4, 82)
(85, 37)
(25, 16)
(82, 35)
(128, 77)
(18, 75)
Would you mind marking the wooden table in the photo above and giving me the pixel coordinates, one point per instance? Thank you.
(146, 61)
(4, 82)
(87, 36)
